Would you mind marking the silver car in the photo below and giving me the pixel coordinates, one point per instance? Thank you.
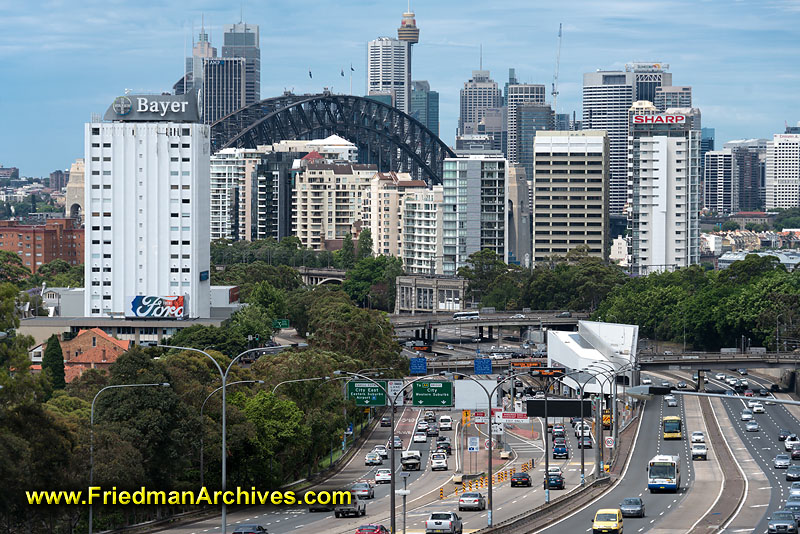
(471, 501)
(782, 521)
(752, 426)
(794, 492)
(782, 461)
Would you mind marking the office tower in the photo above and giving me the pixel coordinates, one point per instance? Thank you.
(512, 80)
(531, 118)
(750, 156)
(242, 41)
(782, 180)
(146, 200)
(570, 193)
(75, 190)
(793, 129)
(518, 94)
(58, 180)
(330, 202)
(607, 97)
(478, 94)
(563, 122)
(663, 190)
(389, 69)
(518, 223)
(673, 96)
(493, 123)
(422, 231)
(231, 170)
(473, 185)
(224, 87)
(425, 105)
(721, 182)
(201, 49)
(384, 210)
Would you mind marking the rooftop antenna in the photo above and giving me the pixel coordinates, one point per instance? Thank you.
(481, 60)
(241, 12)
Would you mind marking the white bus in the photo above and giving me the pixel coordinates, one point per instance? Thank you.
(467, 315)
(664, 473)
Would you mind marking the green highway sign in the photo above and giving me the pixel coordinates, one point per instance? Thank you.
(280, 323)
(366, 393)
(433, 393)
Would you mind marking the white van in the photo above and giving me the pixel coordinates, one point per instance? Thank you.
(445, 423)
(438, 461)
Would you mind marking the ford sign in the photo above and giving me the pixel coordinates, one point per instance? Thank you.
(157, 307)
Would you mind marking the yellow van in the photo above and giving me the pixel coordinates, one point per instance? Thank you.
(607, 520)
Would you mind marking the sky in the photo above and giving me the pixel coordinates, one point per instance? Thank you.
(61, 61)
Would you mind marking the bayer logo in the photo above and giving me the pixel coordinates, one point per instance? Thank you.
(122, 105)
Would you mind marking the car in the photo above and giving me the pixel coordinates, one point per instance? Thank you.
(632, 507)
(381, 450)
(607, 520)
(742, 372)
(564, 314)
(793, 473)
(560, 440)
(752, 426)
(554, 481)
(249, 529)
(790, 440)
(699, 451)
(698, 437)
(555, 470)
(667, 398)
(420, 437)
(386, 421)
(363, 490)
(732, 380)
(782, 461)
(748, 393)
(559, 433)
(730, 393)
(518, 316)
(758, 408)
(355, 507)
(430, 417)
(521, 479)
(682, 385)
(560, 451)
(433, 430)
(450, 347)
(372, 529)
(720, 376)
(782, 521)
(794, 492)
(476, 340)
(398, 443)
(647, 381)
(585, 442)
(445, 423)
(763, 392)
(422, 426)
(747, 415)
(444, 522)
(665, 384)
(583, 428)
(438, 461)
(752, 402)
(383, 476)
(538, 395)
(411, 460)
(472, 501)
(795, 452)
(373, 458)
(672, 403)
(794, 509)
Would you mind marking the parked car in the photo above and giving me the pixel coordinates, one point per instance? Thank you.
(782, 521)
(699, 451)
(472, 501)
(521, 479)
(447, 522)
(782, 461)
(632, 507)
(363, 490)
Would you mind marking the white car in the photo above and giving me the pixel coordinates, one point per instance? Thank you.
(518, 316)
(732, 381)
(422, 426)
(698, 437)
(555, 470)
(699, 451)
(381, 449)
(420, 437)
(789, 442)
(747, 415)
(587, 429)
(794, 492)
(438, 461)
(720, 376)
(383, 476)
(445, 422)
(647, 381)
(758, 408)
(752, 402)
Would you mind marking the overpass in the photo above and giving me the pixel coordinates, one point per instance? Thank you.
(315, 276)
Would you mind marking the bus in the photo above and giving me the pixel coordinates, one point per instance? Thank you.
(664, 474)
(467, 315)
(672, 427)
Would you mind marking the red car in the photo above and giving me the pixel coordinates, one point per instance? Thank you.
(372, 529)
(748, 393)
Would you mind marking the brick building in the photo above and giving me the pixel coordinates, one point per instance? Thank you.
(90, 349)
(42, 243)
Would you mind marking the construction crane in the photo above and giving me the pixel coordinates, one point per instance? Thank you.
(555, 76)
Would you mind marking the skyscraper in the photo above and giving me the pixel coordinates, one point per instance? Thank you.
(478, 94)
(408, 30)
(425, 105)
(750, 155)
(521, 93)
(663, 190)
(194, 65)
(224, 87)
(531, 118)
(782, 178)
(242, 40)
(389, 69)
(647, 78)
(671, 96)
(721, 182)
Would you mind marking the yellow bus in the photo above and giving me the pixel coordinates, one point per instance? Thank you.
(672, 427)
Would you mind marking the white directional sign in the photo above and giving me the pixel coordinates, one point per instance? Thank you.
(511, 417)
(394, 387)
(609, 442)
(473, 444)
(497, 428)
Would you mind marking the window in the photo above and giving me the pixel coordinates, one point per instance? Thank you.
(95, 131)
(94, 341)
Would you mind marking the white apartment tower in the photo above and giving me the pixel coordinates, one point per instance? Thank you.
(782, 183)
(388, 192)
(721, 182)
(389, 69)
(146, 209)
(422, 231)
(232, 172)
(663, 190)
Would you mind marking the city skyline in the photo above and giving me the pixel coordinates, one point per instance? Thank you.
(737, 64)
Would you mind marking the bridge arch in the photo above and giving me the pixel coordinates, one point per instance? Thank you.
(385, 136)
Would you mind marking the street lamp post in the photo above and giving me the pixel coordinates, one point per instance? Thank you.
(224, 376)
(202, 433)
(297, 380)
(778, 333)
(91, 435)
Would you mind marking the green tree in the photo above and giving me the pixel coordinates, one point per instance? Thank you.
(347, 254)
(729, 226)
(11, 268)
(482, 268)
(252, 320)
(364, 244)
(226, 340)
(372, 279)
(53, 362)
(270, 298)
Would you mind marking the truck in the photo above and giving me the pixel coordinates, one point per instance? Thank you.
(411, 460)
(355, 507)
(444, 523)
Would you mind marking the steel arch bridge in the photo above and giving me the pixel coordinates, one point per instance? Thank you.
(385, 136)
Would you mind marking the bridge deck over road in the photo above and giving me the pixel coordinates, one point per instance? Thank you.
(548, 319)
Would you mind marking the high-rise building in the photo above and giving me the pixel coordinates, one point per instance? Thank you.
(232, 171)
(408, 30)
(224, 87)
(721, 182)
(422, 231)
(389, 69)
(663, 190)
(782, 180)
(58, 180)
(242, 41)
(793, 129)
(331, 200)
(75, 190)
(518, 94)
(518, 221)
(673, 96)
(194, 65)
(750, 156)
(493, 123)
(384, 212)
(425, 105)
(478, 94)
(146, 201)
(607, 97)
(473, 185)
(570, 199)
(531, 118)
